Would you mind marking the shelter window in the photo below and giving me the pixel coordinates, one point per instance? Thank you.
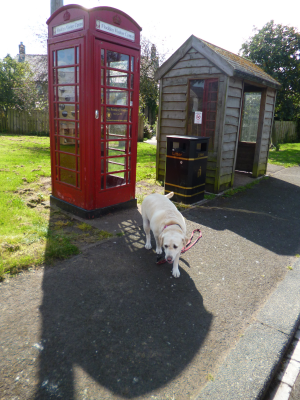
(250, 119)
(203, 97)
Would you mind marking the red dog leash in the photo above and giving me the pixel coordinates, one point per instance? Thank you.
(161, 257)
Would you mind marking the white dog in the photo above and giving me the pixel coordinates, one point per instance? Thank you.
(168, 227)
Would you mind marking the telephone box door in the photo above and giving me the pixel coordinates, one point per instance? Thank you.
(116, 113)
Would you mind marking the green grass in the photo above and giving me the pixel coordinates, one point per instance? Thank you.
(23, 160)
(240, 189)
(210, 196)
(28, 237)
(287, 156)
(146, 162)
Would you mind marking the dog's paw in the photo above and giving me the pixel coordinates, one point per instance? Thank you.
(158, 250)
(176, 273)
(148, 246)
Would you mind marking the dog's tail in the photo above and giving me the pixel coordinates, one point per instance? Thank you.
(169, 195)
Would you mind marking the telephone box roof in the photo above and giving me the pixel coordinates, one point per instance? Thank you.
(89, 10)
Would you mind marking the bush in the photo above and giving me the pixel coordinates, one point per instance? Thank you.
(154, 128)
(147, 130)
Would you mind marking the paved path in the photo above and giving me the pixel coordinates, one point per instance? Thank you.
(110, 324)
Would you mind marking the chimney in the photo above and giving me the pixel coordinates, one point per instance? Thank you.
(21, 52)
(154, 57)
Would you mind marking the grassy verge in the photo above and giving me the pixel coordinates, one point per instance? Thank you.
(146, 162)
(30, 233)
(23, 232)
(240, 189)
(287, 156)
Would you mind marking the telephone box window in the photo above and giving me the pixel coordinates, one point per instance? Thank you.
(115, 131)
(115, 148)
(117, 97)
(115, 179)
(66, 160)
(117, 60)
(66, 109)
(68, 177)
(117, 79)
(116, 164)
(66, 75)
(69, 146)
(67, 93)
(65, 57)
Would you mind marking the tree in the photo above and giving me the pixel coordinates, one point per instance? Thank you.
(276, 49)
(17, 87)
(148, 85)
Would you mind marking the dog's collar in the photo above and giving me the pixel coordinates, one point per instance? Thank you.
(171, 225)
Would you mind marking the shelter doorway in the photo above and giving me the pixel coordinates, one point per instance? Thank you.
(248, 128)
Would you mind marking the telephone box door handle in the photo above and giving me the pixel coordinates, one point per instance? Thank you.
(97, 114)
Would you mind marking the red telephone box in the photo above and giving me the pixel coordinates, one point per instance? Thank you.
(93, 61)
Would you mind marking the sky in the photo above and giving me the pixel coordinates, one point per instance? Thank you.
(168, 24)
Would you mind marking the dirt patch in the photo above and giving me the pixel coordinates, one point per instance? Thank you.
(143, 188)
(37, 195)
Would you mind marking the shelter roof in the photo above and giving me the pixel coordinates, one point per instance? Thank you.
(229, 63)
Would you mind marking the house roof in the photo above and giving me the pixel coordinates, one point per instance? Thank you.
(229, 63)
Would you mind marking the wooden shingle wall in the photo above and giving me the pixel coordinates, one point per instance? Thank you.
(230, 133)
(263, 140)
(173, 100)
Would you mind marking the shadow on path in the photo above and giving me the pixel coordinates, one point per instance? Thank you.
(121, 319)
(267, 215)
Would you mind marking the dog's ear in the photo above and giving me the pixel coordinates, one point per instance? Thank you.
(185, 240)
(160, 240)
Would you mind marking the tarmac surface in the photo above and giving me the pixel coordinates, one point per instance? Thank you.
(111, 324)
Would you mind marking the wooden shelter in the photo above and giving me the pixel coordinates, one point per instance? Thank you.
(233, 100)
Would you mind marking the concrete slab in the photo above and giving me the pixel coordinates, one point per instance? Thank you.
(248, 369)
(282, 311)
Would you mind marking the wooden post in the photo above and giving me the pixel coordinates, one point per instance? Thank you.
(261, 122)
(158, 149)
(220, 128)
(55, 5)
